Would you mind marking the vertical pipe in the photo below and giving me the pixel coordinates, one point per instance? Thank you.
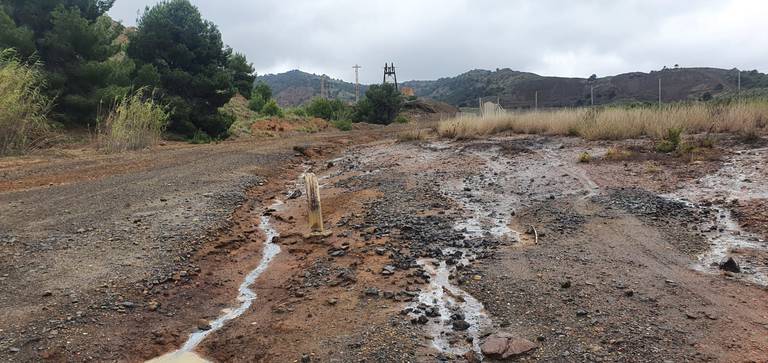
(313, 203)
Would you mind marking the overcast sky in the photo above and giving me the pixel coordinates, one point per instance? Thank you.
(429, 39)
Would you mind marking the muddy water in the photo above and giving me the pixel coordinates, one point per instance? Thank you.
(245, 296)
(490, 198)
(738, 178)
(449, 299)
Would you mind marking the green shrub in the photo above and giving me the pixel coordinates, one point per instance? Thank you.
(200, 137)
(665, 146)
(401, 119)
(584, 157)
(23, 107)
(343, 125)
(327, 109)
(297, 111)
(671, 141)
(272, 109)
(674, 135)
(256, 103)
(381, 105)
(135, 122)
(263, 90)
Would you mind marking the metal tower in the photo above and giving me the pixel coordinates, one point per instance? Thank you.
(389, 70)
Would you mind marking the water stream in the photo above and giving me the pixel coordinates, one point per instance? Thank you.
(450, 299)
(245, 296)
(738, 178)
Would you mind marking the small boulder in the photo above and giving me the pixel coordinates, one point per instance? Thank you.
(504, 346)
(203, 324)
(460, 325)
(730, 265)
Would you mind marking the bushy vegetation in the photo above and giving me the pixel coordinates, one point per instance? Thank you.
(343, 125)
(257, 102)
(260, 95)
(328, 109)
(242, 72)
(614, 123)
(381, 105)
(23, 106)
(272, 109)
(585, 157)
(671, 141)
(135, 122)
(76, 43)
(185, 56)
(89, 61)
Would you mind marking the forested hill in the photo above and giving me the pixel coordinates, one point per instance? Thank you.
(294, 88)
(518, 89)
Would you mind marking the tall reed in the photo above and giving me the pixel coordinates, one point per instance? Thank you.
(136, 121)
(23, 107)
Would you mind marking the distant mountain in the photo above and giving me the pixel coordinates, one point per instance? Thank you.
(516, 89)
(294, 88)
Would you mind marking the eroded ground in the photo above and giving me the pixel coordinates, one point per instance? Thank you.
(435, 247)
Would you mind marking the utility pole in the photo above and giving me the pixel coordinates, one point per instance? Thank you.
(739, 83)
(322, 87)
(536, 101)
(659, 93)
(357, 83)
(592, 94)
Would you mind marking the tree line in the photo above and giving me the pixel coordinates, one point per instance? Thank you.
(89, 60)
(90, 66)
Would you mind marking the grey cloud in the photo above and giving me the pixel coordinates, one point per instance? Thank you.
(429, 39)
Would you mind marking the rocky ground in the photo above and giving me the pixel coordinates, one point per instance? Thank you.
(505, 248)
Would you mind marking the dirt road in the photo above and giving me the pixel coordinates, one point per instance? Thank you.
(438, 249)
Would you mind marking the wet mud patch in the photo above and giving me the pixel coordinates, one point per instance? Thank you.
(606, 291)
(550, 219)
(752, 216)
(681, 221)
(505, 147)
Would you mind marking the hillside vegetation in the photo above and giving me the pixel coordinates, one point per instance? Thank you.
(516, 89)
(295, 88)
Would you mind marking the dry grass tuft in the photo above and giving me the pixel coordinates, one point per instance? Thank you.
(23, 107)
(615, 153)
(135, 122)
(613, 123)
(412, 135)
